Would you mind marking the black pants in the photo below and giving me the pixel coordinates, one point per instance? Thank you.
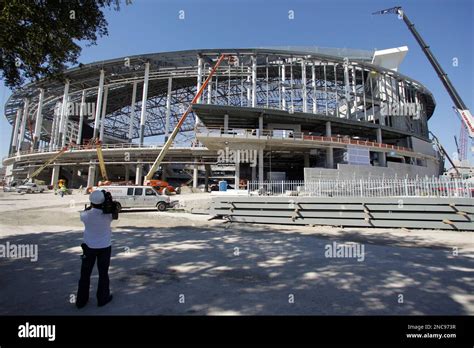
(103, 263)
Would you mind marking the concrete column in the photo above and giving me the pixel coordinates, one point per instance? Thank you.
(209, 90)
(72, 182)
(226, 123)
(144, 99)
(168, 108)
(249, 86)
(55, 175)
(260, 165)
(354, 87)
(254, 81)
(57, 139)
(98, 106)
(347, 88)
(55, 125)
(23, 124)
(30, 172)
(132, 112)
(237, 169)
(127, 172)
(81, 118)
(260, 125)
(382, 156)
(51, 134)
(283, 88)
(254, 173)
(195, 176)
(330, 150)
(15, 131)
(139, 173)
(91, 174)
(66, 120)
(198, 84)
(303, 89)
(313, 84)
(206, 178)
(163, 172)
(64, 110)
(39, 120)
(104, 112)
(306, 160)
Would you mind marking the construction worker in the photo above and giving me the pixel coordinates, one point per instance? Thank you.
(97, 245)
(63, 190)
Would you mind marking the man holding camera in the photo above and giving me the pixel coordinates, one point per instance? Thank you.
(97, 219)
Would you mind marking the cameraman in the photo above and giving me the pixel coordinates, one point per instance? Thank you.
(97, 245)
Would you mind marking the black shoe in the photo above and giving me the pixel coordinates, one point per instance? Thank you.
(106, 301)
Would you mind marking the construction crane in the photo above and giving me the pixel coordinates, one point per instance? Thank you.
(467, 121)
(463, 139)
(173, 135)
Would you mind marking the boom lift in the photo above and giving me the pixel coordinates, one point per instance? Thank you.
(100, 156)
(173, 135)
(47, 163)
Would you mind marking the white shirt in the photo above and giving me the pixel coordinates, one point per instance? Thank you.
(97, 232)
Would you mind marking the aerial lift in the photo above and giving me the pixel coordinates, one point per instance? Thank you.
(47, 163)
(173, 135)
(461, 108)
(100, 156)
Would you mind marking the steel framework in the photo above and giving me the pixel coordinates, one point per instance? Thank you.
(293, 81)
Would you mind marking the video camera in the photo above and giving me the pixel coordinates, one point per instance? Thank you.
(110, 206)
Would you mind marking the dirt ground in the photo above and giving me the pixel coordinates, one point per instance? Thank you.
(181, 263)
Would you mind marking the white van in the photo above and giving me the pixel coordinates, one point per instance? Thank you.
(137, 197)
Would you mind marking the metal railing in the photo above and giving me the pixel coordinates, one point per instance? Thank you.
(291, 135)
(427, 187)
(104, 146)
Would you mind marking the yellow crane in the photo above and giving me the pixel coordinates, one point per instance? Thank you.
(100, 156)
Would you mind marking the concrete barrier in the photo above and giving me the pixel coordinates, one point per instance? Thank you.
(407, 212)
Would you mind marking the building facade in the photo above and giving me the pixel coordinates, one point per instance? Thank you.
(269, 114)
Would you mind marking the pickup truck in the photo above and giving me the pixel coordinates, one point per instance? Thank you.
(31, 187)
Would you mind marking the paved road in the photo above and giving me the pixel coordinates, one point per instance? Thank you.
(182, 264)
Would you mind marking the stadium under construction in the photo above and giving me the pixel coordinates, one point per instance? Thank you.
(287, 113)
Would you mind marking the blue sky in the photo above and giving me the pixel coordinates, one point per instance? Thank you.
(447, 26)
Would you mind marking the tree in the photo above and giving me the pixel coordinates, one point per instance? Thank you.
(39, 38)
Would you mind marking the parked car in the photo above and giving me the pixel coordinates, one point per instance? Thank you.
(31, 187)
(9, 188)
(137, 197)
